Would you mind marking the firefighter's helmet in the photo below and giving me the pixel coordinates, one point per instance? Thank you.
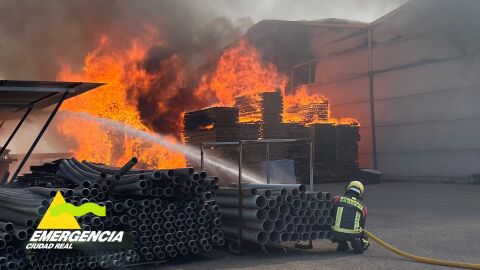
(356, 186)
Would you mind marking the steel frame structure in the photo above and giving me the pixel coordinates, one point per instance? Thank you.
(240, 144)
(49, 92)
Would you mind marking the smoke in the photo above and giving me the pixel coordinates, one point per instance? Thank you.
(56, 143)
(38, 38)
(360, 10)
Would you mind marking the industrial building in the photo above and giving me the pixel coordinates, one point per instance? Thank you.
(410, 78)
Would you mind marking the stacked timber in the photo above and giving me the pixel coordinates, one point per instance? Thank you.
(314, 112)
(260, 116)
(335, 151)
(215, 124)
(266, 107)
(348, 137)
(274, 214)
(211, 117)
(164, 214)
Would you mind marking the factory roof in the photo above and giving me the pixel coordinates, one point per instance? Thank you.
(16, 96)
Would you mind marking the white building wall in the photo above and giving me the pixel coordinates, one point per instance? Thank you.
(427, 91)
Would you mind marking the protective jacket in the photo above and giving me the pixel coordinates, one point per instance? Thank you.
(350, 215)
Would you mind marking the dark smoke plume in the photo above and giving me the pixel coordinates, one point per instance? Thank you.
(37, 37)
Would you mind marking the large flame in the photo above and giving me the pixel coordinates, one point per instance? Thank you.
(118, 67)
(302, 107)
(239, 71)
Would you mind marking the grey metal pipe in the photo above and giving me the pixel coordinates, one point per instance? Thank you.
(257, 215)
(184, 171)
(328, 205)
(274, 237)
(284, 209)
(279, 225)
(294, 192)
(273, 214)
(296, 204)
(290, 228)
(303, 196)
(300, 187)
(25, 209)
(6, 226)
(248, 202)
(279, 191)
(259, 237)
(265, 192)
(288, 199)
(247, 192)
(284, 237)
(271, 203)
(141, 184)
(294, 237)
(127, 166)
(266, 226)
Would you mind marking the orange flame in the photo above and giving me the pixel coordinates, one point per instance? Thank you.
(240, 71)
(345, 121)
(118, 67)
(302, 107)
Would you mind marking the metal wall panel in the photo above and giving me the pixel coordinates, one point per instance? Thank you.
(431, 47)
(342, 66)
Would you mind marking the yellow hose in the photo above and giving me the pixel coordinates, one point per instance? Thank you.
(421, 259)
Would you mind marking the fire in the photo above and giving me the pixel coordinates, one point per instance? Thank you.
(240, 71)
(345, 121)
(117, 67)
(302, 107)
(207, 127)
(131, 84)
(252, 111)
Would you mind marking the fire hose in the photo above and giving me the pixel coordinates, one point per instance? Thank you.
(408, 255)
(419, 258)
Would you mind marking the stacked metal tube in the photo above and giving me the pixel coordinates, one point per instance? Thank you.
(272, 214)
(167, 213)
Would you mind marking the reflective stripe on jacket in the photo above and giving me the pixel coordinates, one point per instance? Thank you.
(349, 215)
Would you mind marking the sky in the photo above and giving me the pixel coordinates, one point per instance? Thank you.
(256, 10)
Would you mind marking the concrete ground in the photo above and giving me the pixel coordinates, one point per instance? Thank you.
(433, 220)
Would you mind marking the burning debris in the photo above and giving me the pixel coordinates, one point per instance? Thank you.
(263, 116)
(263, 107)
(148, 88)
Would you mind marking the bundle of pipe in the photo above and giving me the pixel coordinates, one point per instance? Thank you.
(21, 210)
(59, 259)
(167, 212)
(275, 213)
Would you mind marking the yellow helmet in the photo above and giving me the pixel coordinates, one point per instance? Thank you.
(356, 185)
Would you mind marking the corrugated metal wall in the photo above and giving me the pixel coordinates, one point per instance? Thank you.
(426, 81)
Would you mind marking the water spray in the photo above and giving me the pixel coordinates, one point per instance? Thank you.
(158, 139)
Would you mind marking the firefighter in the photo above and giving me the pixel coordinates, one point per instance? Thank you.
(350, 214)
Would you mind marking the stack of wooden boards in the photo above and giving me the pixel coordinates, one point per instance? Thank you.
(309, 113)
(259, 116)
(335, 153)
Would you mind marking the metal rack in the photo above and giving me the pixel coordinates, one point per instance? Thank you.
(18, 96)
(240, 143)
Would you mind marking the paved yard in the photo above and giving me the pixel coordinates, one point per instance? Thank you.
(436, 220)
